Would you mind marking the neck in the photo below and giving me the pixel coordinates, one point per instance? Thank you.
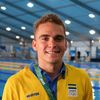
(51, 69)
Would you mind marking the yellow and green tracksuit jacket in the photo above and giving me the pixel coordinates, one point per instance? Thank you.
(24, 85)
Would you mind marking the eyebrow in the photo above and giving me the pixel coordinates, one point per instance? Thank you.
(46, 35)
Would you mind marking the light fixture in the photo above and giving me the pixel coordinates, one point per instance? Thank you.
(67, 21)
(21, 43)
(32, 36)
(23, 27)
(8, 29)
(17, 37)
(67, 33)
(92, 41)
(71, 42)
(3, 7)
(91, 15)
(92, 32)
(29, 4)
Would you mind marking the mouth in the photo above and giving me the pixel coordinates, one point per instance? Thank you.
(53, 52)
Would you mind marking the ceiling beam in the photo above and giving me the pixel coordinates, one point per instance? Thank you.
(14, 33)
(77, 34)
(86, 6)
(7, 36)
(16, 18)
(14, 26)
(20, 8)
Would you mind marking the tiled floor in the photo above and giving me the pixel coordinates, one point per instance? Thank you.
(9, 68)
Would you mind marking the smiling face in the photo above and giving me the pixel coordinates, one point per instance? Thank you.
(49, 43)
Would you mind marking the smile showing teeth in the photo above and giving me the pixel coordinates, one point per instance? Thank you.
(53, 52)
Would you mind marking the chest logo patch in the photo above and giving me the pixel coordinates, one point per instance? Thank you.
(72, 90)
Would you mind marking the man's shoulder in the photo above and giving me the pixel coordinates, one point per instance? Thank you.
(76, 71)
(19, 75)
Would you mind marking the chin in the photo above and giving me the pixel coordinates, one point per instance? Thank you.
(54, 61)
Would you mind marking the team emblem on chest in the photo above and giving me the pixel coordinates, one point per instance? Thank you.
(72, 90)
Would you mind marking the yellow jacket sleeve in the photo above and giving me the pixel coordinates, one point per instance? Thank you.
(88, 88)
(9, 92)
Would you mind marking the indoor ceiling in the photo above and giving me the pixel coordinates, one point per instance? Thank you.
(15, 14)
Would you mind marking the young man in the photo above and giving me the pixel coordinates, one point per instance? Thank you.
(50, 79)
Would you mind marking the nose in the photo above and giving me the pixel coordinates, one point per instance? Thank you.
(52, 42)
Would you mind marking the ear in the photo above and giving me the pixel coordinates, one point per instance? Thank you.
(34, 45)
